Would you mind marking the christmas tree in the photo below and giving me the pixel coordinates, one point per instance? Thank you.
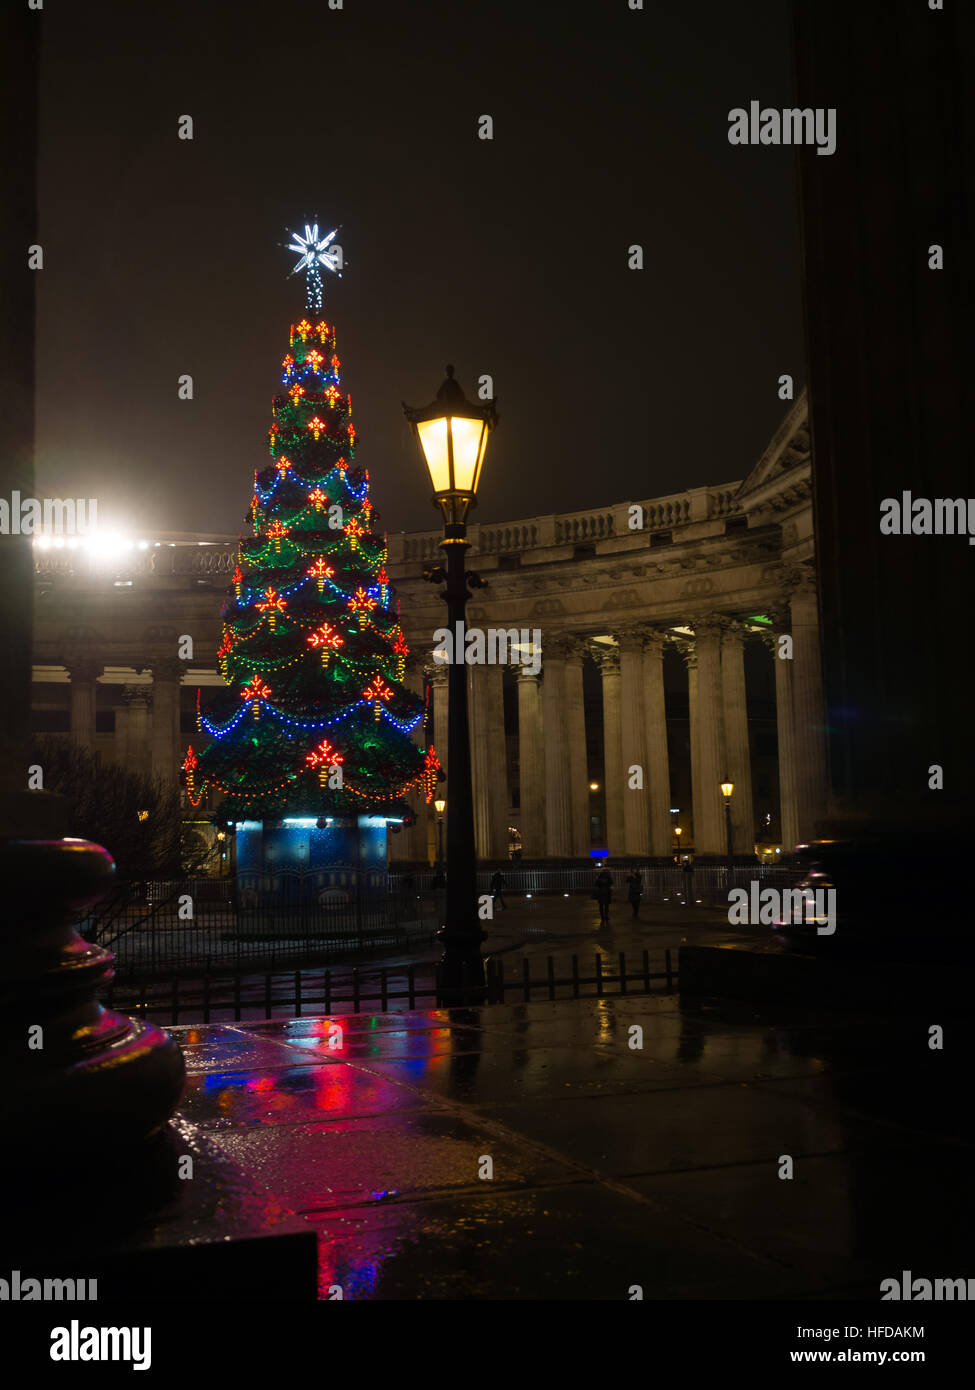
(315, 718)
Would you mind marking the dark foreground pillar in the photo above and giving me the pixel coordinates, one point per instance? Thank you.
(890, 348)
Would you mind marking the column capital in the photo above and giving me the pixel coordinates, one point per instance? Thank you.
(781, 620)
(522, 673)
(137, 695)
(606, 658)
(709, 624)
(733, 629)
(687, 649)
(577, 647)
(655, 640)
(560, 646)
(168, 668)
(80, 666)
(630, 637)
(436, 672)
(797, 579)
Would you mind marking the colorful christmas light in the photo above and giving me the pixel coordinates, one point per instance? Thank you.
(431, 773)
(320, 571)
(361, 604)
(324, 757)
(272, 604)
(288, 622)
(327, 639)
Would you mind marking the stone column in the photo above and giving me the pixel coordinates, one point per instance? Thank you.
(167, 674)
(84, 672)
(412, 841)
(613, 782)
(132, 749)
(489, 761)
(737, 752)
(807, 703)
(658, 757)
(575, 720)
(558, 809)
(706, 740)
(785, 729)
(438, 694)
(531, 763)
(636, 800)
(689, 658)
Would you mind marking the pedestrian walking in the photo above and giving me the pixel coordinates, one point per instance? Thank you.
(603, 893)
(497, 889)
(634, 890)
(687, 869)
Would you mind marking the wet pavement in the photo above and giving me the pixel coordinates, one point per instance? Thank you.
(531, 1151)
(565, 1150)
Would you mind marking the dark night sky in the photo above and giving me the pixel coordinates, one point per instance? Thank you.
(164, 256)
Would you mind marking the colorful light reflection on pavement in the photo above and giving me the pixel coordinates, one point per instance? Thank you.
(612, 1164)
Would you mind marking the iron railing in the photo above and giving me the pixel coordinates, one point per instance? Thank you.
(294, 994)
(667, 883)
(196, 925)
(159, 930)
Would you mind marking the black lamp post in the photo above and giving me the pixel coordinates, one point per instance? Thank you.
(452, 434)
(440, 805)
(727, 790)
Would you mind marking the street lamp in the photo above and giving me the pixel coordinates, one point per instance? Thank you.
(452, 435)
(439, 806)
(727, 791)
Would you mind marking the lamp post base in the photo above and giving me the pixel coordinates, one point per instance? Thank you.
(460, 970)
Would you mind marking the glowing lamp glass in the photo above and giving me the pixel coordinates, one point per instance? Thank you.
(452, 433)
(453, 457)
(433, 441)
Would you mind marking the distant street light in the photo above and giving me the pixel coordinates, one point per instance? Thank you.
(439, 806)
(727, 791)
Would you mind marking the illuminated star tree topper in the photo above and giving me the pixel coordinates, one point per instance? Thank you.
(314, 251)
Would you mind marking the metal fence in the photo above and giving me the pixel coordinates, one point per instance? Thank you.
(198, 925)
(215, 998)
(185, 927)
(701, 883)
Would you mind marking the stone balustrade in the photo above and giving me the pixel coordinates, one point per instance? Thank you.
(575, 528)
(174, 558)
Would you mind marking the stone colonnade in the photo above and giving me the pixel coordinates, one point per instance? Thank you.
(553, 779)
(147, 725)
(554, 792)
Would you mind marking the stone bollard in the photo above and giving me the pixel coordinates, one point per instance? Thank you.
(81, 1080)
